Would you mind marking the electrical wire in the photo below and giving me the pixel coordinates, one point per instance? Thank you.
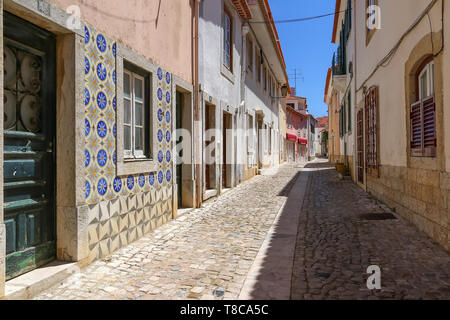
(387, 59)
(443, 28)
(431, 33)
(299, 19)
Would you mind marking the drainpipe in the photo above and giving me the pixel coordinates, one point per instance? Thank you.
(195, 70)
(242, 103)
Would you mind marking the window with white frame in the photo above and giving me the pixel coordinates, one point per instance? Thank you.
(249, 53)
(426, 81)
(265, 77)
(258, 67)
(423, 114)
(134, 115)
(227, 40)
(270, 85)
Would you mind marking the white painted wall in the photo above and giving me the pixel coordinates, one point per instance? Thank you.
(317, 142)
(396, 17)
(223, 87)
(244, 97)
(349, 138)
(256, 98)
(210, 53)
(446, 81)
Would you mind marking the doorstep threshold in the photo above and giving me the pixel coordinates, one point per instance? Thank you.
(210, 193)
(34, 282)
(183, 211)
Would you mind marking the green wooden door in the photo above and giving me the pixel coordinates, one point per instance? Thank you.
(29, 140)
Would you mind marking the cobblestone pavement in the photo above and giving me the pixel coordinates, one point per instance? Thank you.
(205, 254)
(208, 253)
(335, 247)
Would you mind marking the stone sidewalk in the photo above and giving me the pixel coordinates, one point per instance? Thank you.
(205, 254)
(336, 245)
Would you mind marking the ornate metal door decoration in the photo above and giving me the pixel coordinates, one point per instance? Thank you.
(22, 91)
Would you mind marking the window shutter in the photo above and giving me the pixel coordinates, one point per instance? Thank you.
(423, 128)
(429, 127)
(349, 14)
(416, 129)
(349, 114)
(375, 129)
(360, 148)
(372, 134)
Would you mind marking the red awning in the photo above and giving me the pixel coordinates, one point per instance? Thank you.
(291, 137)
(302, 140)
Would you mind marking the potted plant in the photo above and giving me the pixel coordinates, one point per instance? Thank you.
(341, 168)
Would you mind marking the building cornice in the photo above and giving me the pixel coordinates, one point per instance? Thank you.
(336, 20)
(267, 13)
(243, 9)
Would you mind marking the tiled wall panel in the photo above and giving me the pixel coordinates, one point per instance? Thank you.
(122, 209)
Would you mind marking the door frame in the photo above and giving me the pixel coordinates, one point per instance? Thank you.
(229, 168)
(188, 181)
(71, 210)
(211, 102)
(30, 38)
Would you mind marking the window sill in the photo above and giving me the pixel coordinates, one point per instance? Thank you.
(430, 155)
(136, 166)
(227, 73)
(427, 163)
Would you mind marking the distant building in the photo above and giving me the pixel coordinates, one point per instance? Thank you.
(320, 143)
(334, 140)
(311, 137)
(296, 129)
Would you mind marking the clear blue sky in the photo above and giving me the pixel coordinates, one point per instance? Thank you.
(306, 46)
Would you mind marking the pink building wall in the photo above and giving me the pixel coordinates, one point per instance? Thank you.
(160, 30)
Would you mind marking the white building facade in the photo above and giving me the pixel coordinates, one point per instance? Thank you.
(242, 70)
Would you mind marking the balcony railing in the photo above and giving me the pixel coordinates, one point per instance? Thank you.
(339, 63)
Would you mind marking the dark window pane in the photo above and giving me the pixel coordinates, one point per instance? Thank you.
(139, 138)
(127, 138)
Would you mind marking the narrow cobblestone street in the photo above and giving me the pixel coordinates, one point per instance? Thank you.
(208, 253)
(205, 254)
(336, 245)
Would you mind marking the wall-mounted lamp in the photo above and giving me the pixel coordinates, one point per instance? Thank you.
(284, 92)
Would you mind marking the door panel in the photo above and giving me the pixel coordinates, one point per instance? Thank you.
(360, 148)
(224, 151)
(29, 139)
(207, 143)
(179, 125)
